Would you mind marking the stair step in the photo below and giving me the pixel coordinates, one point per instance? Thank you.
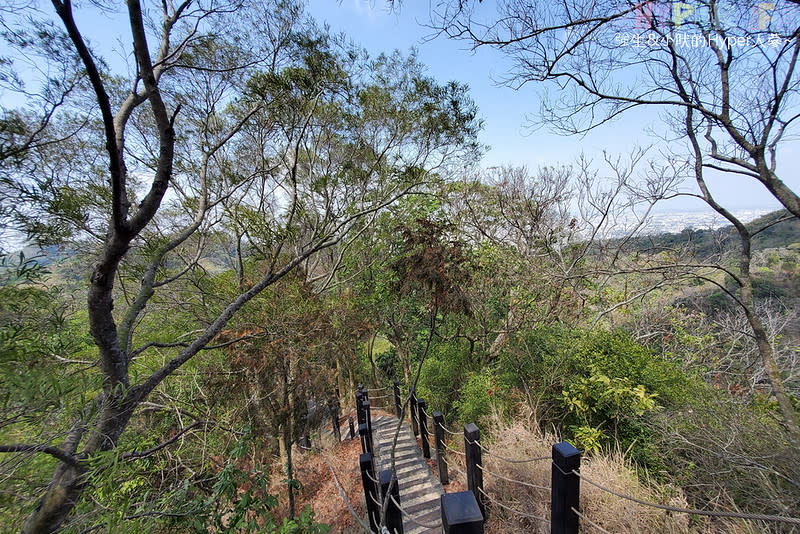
(420, 489)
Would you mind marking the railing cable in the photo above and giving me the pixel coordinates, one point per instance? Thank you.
(346, 501)
(589, 521)
(447, 430)
(375, 480)
(710, 513)
(512, 510)
(535, 486)
(511, 461)
(451, 449)
(411, 518)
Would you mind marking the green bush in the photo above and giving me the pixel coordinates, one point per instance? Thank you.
(443, 374)
(599, 386)
(479, 397)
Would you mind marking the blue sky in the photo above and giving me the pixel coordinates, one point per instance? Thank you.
(506, 111)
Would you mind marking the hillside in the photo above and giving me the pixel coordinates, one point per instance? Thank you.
(771, 231)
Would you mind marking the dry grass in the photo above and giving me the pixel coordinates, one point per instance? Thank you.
(319, 489)
(519, 441)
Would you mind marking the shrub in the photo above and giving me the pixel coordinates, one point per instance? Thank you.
(479, 398)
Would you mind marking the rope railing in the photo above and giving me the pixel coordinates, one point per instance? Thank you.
(513, 461)
(528, 484)
(677, 509)
(451, 449)
(448, 430)
(376, 501)
(375, 480)
(509, 460)
(512, 510)
(346, 500)
(411, 518)
(565, 459)
(589, 521)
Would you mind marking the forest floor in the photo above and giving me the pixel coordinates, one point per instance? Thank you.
(319, 490)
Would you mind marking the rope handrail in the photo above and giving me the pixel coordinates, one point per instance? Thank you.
(512, 510)
(384, 388)
(509, 460)
(512, 461)
(447, 430)
(411, 518)
(458, 470)
(451, 449)
(535, 486)
(376, 397)
(589, 521)
(376, 501)
(346, 501)
(375, 480)
(710, 513)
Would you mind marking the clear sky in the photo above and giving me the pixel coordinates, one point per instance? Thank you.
(506, 111)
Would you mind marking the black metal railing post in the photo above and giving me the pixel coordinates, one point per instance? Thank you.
(367, 407)
(461, 514)
(363, 434)
(370, 491)
(394, 518)
(565, 495)
(352, 427)
(423, 428)
(438, 436)
(472, 451)
(360, 407)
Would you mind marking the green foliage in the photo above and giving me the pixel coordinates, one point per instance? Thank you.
(597, 400)
(598, 385)
(443, 374)
(304, 524)
(238, 501)
(479, 398)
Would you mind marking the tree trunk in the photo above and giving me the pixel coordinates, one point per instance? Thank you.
(508, 324)
(789, 414)
(287, 437)
(370, 355)
(69, 481)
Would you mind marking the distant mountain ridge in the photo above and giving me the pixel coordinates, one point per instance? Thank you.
(776, 229)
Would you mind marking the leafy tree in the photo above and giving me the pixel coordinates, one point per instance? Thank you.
(724, 75)
(243, 125)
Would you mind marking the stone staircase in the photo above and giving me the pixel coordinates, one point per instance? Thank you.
(420, 489)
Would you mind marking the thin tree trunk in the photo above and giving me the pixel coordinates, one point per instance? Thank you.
(69, 481)
(287, 437)
(788, 412)
(370, 355)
